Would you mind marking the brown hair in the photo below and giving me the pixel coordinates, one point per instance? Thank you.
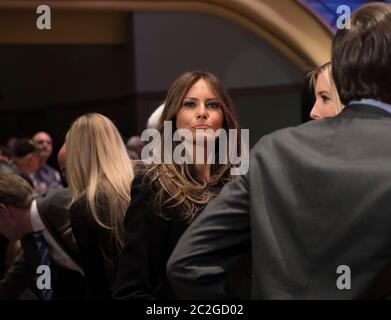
(16, 191)
(361, 56)
(178, 184)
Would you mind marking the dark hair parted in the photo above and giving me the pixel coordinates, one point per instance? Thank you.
(361, 56)
(178, 185)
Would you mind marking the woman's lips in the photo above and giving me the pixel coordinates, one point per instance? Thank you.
(202, 127)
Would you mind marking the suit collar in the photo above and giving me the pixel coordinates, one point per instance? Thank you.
(36, 219)
(374, 103)
(364, 110)
(54, 214)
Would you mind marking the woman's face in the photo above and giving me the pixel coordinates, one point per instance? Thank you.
(200, 110)
(325, 105)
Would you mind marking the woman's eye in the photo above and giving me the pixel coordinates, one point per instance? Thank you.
(325, 99)
(213, 105)
(188, 104)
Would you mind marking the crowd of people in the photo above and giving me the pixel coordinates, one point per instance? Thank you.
(315, 197)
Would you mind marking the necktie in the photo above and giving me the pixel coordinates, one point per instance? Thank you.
(43, 251)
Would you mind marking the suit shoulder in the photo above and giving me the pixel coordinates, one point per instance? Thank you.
(54, 199)
(290, 135)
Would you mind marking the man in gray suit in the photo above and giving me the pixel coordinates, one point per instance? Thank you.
(315, 206)
(43, 226)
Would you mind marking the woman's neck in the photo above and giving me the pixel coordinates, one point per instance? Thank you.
(200, 160)
(203, 171)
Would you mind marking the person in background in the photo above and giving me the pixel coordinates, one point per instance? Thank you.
(327, 103)
(46, 176)
(99, 174)
(61, 160)
(26, 162)
(134, 146)
(5, 161)
(39, 224)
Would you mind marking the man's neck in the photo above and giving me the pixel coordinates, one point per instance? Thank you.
(25, 169)
(42, 162)
(26, 226)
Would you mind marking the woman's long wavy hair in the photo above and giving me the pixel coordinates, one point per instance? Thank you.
(179, 185)
(98, 166)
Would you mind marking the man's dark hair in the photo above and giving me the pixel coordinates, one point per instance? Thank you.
(361, 56)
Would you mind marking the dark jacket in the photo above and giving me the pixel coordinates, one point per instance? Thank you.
(98, 253)
(150, 239)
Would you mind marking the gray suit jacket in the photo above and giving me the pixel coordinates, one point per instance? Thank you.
(316, 197)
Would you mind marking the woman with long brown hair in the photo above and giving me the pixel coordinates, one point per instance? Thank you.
(167, 197)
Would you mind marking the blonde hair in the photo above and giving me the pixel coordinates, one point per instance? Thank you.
(326, 70)
(98, 167)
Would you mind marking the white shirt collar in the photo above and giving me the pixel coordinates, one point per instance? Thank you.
(36, 220)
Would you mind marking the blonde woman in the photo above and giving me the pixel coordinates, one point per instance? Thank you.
(99, 174)
(327, 103)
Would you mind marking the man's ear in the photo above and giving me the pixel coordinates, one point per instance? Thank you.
(4, 210)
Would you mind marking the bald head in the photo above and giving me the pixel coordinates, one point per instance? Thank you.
(43, 141)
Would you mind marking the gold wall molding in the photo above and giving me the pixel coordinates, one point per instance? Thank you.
(284, 24)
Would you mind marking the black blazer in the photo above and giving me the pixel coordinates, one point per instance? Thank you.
(150, 240)
(98, 254)
(316, 197)
(66, 284)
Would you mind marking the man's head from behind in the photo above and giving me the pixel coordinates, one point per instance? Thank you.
(361, 56)
(16, 196)
(26, 156)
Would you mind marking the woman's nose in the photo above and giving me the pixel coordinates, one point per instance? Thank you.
(202, 112)
(314, 113)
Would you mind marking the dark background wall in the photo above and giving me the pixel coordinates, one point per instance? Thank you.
(46, 86)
